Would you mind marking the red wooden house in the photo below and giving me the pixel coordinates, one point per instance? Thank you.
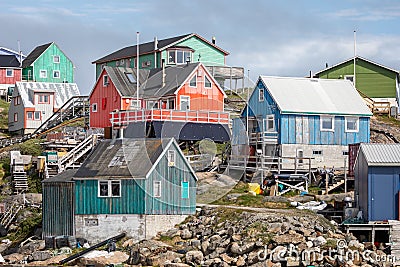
(10, 73)
(185, 98)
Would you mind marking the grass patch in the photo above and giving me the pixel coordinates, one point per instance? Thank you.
(4, 106)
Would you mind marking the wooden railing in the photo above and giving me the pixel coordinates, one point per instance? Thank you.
(124, 117)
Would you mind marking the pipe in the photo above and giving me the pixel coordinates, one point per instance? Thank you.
(77, 255)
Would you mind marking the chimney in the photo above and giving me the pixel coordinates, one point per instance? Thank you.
(326, 65)
(163, 72)
(155, 43)
(213, 40)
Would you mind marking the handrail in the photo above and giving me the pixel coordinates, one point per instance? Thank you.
(124, 117)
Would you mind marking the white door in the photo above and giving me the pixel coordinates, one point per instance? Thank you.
(185, 102)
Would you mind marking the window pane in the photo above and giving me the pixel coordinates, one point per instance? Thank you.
(207, 82)
(261, 95)
(327, 123)
(37, 115)
(187, 56)
(115, 188)
(179, 57)
(171, 104)
(157, 189)
(171, 56)
(103, 189)
(193, 81)
(351, 124)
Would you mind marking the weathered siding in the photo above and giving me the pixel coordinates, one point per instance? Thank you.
(171, 177)
(107, 99)
(9, 80)
(305, 129)
(45, 62)
(208, 55)
(130, 202)
(58, 208)
(14, 126)
(372, 80)
(202, 98)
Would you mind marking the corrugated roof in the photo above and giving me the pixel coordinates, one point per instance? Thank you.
(34, 55)
(62, 91)
(122, 158)
(357, 57)
(146, 48)
(9, 61)
(315, 96)
(381, 154)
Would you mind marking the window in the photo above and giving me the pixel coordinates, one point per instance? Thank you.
(345, 153)
(193, 81)
(43, 99)
(151, 104)
(317, 152)
(351, 124)
(349, 78)
(15, 116)
(157, 189)
(37, 115)
(135, 104)
(171, 158)
(17, 100)
(43, 74)
(9, 73)
(185, 102)
(179, 56)
(171, 103)
(146, 64)
(56, 59)
(56, 74)
(270, 123)
(130, 77)
(261, 95)
(111, 188)
(207, 83)
(29, 115)
(105, 80)
(185, 190)
(327, 123)
(94, 107)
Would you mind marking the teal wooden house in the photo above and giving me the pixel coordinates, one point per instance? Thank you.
(304, 118)
(48, 63)
(372, 79)
(137, 186)
(174, 51)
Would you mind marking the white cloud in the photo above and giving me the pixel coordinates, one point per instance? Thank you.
(368, 14)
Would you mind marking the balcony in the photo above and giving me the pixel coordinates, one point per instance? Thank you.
(124, 117)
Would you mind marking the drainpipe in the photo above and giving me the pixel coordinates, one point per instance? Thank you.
(155, 51)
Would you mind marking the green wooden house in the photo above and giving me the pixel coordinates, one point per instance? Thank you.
(174, 51)
(372, 79)
(137, 186)
(48, 63)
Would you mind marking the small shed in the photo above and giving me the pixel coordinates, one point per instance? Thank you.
(377, 181)
(137, 186)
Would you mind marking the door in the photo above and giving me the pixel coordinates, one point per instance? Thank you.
(185, 102)
(383, 197)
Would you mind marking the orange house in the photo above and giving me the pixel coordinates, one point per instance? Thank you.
(186, 94)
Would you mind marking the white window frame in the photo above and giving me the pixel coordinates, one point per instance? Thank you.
(205, 83)
(135, 104)
(43, 74)
(261, 95)
(195, 80)
(157, 190)
(270, 118)
(106, 81)
(94, 107)
(31, 115)
(110, 184)
(54, 74)
(357, 125)
(37, 118)
(9, 75)
(185, 54)
(322, 118)
(171, 156)
(56, 59)
(180, 102)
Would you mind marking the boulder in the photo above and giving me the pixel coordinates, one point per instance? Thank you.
(41, 255)
(14, 258)
(159, 259)
(319, 241)
(194, 256)
(186, 234)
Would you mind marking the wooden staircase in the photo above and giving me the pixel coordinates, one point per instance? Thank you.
(376, 107)
(333, 186)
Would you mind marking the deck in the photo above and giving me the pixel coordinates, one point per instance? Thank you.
(124, 117)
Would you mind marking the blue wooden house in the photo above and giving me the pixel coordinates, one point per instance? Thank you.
(137, 186)
(304, 118)
(377, 181)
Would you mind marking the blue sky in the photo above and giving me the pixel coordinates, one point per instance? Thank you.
(280, 38)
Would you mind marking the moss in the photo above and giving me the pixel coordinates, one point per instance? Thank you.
(30, 147)
(27, 227)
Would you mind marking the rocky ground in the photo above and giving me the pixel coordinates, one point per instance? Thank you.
(380, 125)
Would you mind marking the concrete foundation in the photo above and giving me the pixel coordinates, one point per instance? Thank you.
(98, 227)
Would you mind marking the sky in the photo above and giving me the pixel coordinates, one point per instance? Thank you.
(265, 37)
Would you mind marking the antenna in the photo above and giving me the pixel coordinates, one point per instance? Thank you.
(137, 70)
(20, 54)
(354, 63)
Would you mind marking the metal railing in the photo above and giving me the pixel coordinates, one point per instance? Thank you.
(124, 117)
